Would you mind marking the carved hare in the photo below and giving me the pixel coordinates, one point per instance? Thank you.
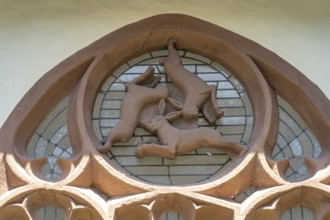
(198, 95)
(175, 142)
(139, 92)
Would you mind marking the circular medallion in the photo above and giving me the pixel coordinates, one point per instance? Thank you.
(196, 166)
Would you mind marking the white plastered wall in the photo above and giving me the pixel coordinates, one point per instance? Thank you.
(36, 35)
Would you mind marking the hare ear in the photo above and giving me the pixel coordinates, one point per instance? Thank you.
(172, 115)
(176, 104)
(161, 106)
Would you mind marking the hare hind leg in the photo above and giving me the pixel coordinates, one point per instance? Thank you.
(234, 150)
(155, 150)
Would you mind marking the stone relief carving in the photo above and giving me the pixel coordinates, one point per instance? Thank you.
(197, 94)
(175, 141)
(189, 94)
(139, 92)
(89, 176)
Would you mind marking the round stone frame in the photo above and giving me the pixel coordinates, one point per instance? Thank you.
(262, 73)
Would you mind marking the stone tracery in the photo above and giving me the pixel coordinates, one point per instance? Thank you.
(80, 77)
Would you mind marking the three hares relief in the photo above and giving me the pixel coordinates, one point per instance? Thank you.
(170, 111)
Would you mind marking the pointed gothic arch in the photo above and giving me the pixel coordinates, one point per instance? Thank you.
(89, 182)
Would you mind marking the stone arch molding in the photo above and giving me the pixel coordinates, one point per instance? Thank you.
(88, 177)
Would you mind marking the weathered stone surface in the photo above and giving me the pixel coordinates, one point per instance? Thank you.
(93, 186)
